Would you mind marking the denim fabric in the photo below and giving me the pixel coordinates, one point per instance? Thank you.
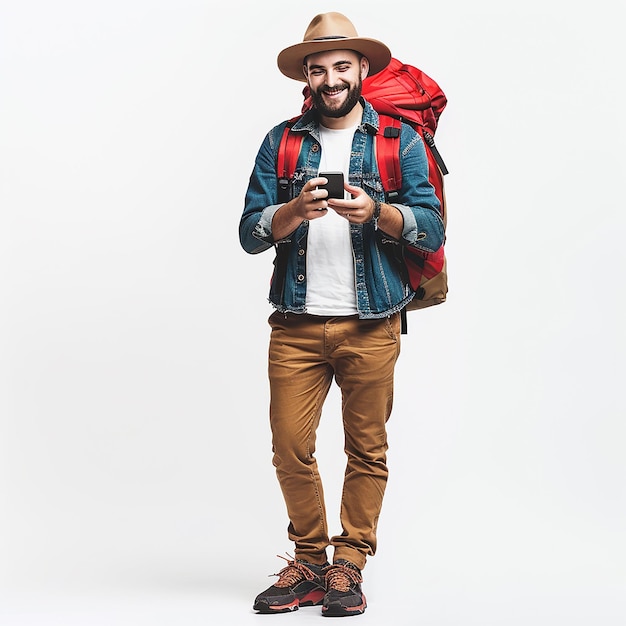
(381, 283)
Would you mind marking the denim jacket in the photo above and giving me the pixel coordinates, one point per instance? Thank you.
(381, 283)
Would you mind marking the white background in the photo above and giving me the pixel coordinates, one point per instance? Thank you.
(136, 482)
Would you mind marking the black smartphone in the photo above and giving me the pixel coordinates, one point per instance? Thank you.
(335, 184)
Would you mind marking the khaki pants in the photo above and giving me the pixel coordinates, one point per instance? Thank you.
(305, 353)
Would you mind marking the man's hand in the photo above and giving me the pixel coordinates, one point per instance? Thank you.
(358, 210)
(310, 204)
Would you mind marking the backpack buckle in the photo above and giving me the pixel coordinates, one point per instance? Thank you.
(391, 131)
(284, 190)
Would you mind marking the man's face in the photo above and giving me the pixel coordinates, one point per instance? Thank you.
(335, 79)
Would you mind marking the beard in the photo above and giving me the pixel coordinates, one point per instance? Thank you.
(339, 110)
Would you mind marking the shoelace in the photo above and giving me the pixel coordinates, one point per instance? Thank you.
(340, 577)
(292, 573)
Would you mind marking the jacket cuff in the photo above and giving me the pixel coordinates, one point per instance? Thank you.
(263, 229)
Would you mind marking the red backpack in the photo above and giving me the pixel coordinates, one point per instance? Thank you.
(399, 93)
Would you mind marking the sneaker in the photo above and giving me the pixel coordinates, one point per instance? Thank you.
(299, 584)
(343, 595)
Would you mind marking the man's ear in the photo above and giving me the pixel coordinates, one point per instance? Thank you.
(365, 67)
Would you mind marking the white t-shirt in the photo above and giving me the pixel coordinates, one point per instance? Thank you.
(330, 260)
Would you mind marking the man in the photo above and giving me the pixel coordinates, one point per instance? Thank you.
(337, 289)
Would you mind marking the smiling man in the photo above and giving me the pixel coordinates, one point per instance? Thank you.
(336, 69)
(337, 290)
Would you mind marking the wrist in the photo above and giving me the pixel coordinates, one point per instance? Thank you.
(376, 213)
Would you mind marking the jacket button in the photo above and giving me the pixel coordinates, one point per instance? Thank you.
(300, 277)
(315, 147)
(301, 251)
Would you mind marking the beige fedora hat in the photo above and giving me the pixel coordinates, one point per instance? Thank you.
(332, 31)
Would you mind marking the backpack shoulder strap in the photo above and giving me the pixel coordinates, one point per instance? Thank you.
(388, 159)
(287, 158)
(388, 154)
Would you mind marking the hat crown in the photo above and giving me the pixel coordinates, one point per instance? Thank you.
(327, 32)
(329, 26)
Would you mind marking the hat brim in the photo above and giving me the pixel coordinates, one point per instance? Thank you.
(291, 60)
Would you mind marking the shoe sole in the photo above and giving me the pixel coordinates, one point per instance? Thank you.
(267, 609)
(313, 598)
(336, 610)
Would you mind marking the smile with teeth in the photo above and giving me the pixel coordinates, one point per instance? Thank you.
(333, 92)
